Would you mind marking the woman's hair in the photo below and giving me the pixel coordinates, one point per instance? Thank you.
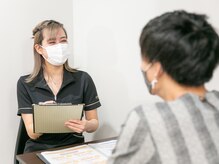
(52, 26)
(184, 43)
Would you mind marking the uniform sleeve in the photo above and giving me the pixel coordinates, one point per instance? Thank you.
(23, 98)
(91, 98)
(135, 143)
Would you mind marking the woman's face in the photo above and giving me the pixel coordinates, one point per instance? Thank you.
(53, 38)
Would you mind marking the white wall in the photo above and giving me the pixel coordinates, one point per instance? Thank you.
(105, 36)
(17, 21)
(105, 44)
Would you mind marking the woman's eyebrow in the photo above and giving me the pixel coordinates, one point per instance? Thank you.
(63, 37)
(51, 39)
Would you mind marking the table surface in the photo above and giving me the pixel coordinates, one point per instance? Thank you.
(31, 158)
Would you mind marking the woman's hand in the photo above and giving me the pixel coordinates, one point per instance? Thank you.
(80, 126)
(88, 124)
(77, 126)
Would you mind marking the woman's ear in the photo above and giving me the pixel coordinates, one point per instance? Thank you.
(38, 48)
(158, 69)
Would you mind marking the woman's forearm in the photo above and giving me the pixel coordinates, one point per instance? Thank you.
(31, 134)
(91, 125)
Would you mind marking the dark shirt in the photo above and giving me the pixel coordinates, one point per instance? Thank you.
(77, 88)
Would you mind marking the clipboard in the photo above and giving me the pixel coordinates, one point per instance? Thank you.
(50, 118)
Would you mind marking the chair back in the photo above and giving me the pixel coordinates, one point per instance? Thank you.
(22, 137)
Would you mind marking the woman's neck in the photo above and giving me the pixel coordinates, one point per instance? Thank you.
(53, 71)
(54, 77)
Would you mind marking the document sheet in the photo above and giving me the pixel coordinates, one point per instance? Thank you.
(104, 147)
(51, 118)
(97, 153)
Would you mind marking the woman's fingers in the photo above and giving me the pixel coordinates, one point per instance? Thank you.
(76, 125)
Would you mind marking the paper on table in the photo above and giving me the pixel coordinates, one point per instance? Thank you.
(105, 148)
(77, 155)
(51, 118)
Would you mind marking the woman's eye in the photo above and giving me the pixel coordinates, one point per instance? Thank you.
(51, 43)
(63, 41)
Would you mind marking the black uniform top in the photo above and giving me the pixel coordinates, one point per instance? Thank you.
(77, 88)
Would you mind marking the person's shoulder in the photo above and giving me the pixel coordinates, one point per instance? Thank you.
(215, 92)
(21, 82)
(23, 78)
(212, 96)
(79, 74)
(150, 110)
(144, 108)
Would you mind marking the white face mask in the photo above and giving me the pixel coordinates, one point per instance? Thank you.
(57, 54)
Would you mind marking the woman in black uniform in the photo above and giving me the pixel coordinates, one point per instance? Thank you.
(53, 80)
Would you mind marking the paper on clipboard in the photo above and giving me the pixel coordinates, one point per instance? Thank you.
(51, 118)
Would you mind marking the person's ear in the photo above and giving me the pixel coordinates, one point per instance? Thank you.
(144, 65)
(158, 69)
(38, 49)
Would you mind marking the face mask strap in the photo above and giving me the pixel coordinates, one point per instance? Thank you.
(148, 67)
(153, 83)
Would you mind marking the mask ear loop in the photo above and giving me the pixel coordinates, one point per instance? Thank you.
(148, 67)
(153, 83)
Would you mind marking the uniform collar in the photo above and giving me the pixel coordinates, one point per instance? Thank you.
(68, 78)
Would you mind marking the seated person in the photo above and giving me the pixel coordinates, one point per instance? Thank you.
(54, 81)
(179, 51)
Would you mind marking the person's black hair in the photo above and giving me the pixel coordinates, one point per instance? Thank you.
(185, 44)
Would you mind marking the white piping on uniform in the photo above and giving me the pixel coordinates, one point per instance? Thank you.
(25, 108)
(92, 104)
